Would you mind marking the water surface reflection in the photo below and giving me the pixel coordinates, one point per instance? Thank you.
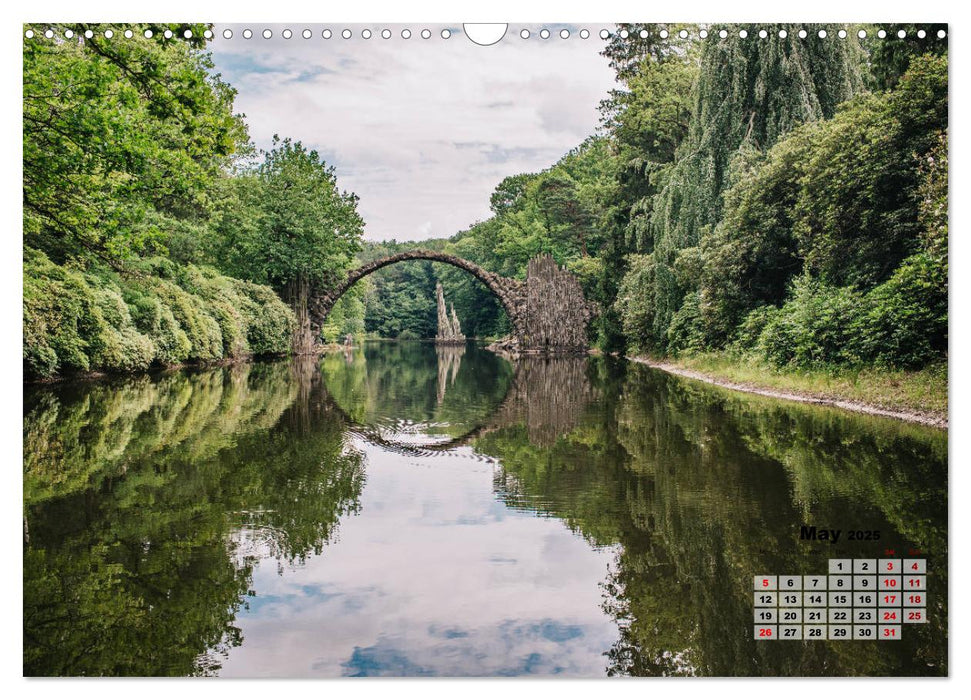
(407, 510)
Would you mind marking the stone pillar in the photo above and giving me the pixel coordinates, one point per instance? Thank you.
(449, 330)
(556, 311)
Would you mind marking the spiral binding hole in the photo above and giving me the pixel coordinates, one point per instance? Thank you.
(524, 33)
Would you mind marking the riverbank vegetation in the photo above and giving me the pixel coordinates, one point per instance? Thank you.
(776, 201)
(154, 234)
(773, 202)
(156, 313)
(918, 395)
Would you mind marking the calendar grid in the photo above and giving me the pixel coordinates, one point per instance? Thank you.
(859, 599)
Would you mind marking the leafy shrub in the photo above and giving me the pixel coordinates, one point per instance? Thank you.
(165, 314)
(408, 334)
(269, 322)
(900, 323)
(201, 328)
(818, 326)
(222, 303)
(118, 345)
(58, 309)
(156, 320)
(748, 331)
(685, 334)
(906, 320)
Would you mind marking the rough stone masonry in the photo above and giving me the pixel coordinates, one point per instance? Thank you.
(449, 330)
(557, 313)
(548, 311)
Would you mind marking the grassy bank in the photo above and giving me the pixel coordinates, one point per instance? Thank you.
(914, 394)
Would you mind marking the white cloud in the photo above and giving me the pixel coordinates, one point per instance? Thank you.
(421, 130)
(434, 575)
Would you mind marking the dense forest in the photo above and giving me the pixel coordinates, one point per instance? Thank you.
(781, 195)
(154, 233)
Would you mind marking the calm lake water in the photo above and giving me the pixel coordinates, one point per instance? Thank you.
(407, 510)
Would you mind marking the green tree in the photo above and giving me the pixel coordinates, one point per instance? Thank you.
(120, 137)
(285, 223)
(858, 209)
(632, 46)
(508, 193)
(125, 142)
(748, 93)
(837, 201)
(890, 57)
(647, 122)
(556, 211)
(752, 256)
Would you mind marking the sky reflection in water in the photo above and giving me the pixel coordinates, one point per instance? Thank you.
(436, 577)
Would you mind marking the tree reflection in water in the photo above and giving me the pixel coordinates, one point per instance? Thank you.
(148, 501)
(704, 488)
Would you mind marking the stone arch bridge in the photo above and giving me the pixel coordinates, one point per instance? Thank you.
(548, 311)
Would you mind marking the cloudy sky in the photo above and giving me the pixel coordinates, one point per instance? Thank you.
(421, 129)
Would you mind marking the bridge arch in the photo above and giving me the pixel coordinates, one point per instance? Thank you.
(547, 395)
(510, 292)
